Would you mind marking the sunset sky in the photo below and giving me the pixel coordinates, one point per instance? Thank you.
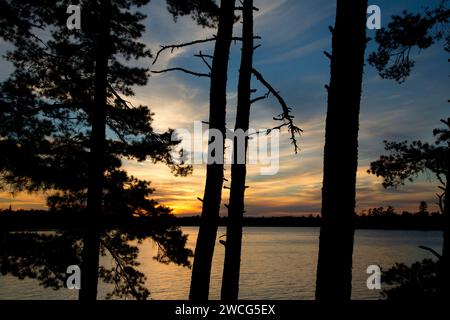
(294, 35)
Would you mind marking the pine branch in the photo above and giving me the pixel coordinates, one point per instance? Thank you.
(122, 268)
(118, 97)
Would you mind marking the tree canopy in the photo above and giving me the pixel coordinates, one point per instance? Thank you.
(406, 161)
(46, 108)
(406, 32)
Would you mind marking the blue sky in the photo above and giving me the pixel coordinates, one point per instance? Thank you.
(294, 35)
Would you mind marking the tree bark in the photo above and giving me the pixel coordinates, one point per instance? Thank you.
(231, 269)
(334, 270)
(91, 249)
(204, 250)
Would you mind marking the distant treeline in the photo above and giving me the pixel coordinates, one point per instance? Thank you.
(28, 220)
(376, 218)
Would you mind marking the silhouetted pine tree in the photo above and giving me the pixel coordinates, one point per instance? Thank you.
(210, 211)
(204, 249)
(231, 268)
(406, 161)
(69, 82)
(392, 59)
(236, 208)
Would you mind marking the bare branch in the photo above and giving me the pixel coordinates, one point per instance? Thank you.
(438, 176)
(432, 251)
(172, 47)
(205, 55)
(178, 46)
(241, 8)
(185, 71)
(441, 201)
(202, 56)
(265, 96)
(285, 116)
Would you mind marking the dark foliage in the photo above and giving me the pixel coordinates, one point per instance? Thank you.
(47, 113)
(44, 256)
(407, 160)
(418, 282)
(405, 33)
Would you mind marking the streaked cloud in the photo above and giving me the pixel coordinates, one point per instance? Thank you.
(294, 35)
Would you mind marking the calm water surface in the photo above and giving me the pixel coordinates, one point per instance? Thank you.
(277, 263)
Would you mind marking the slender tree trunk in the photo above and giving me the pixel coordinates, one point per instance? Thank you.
(446, 245)
(231, 269)
(334, 270)
(91, 250)
(204, 250)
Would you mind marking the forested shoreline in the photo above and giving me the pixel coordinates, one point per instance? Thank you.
(45, 220)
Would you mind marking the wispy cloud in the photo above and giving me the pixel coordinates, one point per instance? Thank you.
(296, 53)
(294, 33)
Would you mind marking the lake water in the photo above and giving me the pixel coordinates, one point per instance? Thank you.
(277, 263)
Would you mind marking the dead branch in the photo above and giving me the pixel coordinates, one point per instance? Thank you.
(432, 251)
(285, 116)
(441, 180)
(172, 47)
(441, 201)
(203, 56)
(241, 8)
(264, 96)
(185, 71)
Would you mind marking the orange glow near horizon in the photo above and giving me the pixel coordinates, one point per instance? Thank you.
(267, 195)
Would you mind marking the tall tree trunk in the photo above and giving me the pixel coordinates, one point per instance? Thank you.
(91, 250)
(445, 291)
(334, 270)
(231, 269)
(204, 250)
